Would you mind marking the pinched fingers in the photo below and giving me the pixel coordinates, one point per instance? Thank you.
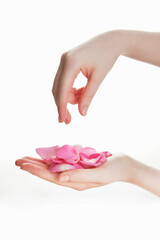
(62, 87)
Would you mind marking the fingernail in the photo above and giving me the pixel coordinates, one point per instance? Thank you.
(84, 110)
(64, 178)
(66, 121)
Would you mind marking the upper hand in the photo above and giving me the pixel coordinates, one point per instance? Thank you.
(94, 59)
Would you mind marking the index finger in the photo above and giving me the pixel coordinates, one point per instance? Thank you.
(64, 86)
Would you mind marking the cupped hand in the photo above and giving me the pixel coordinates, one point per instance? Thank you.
(94, 59)
(117, 168)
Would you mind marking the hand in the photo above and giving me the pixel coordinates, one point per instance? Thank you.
(117, 168)
(94, 59)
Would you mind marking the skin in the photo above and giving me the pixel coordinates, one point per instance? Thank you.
(95, 58)
(80, 179)
(119, 167)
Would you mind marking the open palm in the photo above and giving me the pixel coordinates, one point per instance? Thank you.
(79, 179)
(38, 168)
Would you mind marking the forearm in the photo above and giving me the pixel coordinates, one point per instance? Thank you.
(140, 45)
(144, 176)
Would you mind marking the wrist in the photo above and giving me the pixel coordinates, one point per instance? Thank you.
(133, 167)
(120, 167)
(127, 168)
(124, 40)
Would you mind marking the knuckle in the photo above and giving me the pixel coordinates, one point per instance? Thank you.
(70, 59)
(63, 56)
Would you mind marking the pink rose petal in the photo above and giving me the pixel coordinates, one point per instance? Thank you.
(93, 160)
(78, 166)
(107, 154)
(77, 148)
(57, 160)
(88, 151)
(68, 154)
(68, 157)
(47, 152)
(61, 167)
(48, 161)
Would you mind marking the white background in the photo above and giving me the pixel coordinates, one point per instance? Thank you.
(124, 117)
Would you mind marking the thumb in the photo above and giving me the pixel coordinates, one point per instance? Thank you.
(88, 94)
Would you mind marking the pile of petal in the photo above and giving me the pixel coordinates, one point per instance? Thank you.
(68, 157)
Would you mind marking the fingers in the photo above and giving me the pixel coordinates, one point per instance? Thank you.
(73, 98)
(55, 92)
(64, 92)
(81, 175)
(37, 161)
(62, 88)
(39, 171)
(74, 95)
(68, 117)
(88, 94)
(42, 172)
(21, 161)
(57, 77)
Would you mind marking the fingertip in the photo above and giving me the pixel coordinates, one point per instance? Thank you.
(24, 166)
(62, 110)
(84, 110)
(16, 163)
(68, 117)
(67, 122)
(62, 116)
(60, 120)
